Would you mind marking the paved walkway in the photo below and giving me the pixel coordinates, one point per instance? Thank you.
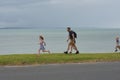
(85, 71)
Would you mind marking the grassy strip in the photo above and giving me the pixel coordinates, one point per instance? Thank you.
(30, 59)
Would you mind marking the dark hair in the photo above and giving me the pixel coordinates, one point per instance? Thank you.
(41, 37)
(68, 28)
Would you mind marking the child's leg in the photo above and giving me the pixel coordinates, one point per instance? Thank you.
(46, 51)
(39, 52)
(116, 49)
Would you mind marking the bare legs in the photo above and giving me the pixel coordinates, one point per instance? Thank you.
(71, 46)
(43, 51)
(116, 48)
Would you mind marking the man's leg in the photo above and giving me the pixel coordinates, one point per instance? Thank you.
(68, 48)
(75, 47)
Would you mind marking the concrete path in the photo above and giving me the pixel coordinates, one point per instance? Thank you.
(84, 71)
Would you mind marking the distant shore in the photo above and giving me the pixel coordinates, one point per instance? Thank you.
(33, 59)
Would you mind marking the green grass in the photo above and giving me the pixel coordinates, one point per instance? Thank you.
(32, 59)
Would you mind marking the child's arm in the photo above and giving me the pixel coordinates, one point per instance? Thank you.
(44, 43)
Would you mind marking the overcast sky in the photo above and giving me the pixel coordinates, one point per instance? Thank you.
(60, 13)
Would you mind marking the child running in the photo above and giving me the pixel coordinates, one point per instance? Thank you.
(117, 44)
(42, 44)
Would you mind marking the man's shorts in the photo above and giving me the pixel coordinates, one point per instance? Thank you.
(72, 42)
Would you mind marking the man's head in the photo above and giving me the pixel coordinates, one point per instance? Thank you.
(68, 29)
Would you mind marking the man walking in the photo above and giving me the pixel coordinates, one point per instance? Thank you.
(71, 39)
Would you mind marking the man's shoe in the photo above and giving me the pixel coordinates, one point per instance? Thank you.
(66, 52)
(77, 52)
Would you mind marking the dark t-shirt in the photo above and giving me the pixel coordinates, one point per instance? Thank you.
(70, 34)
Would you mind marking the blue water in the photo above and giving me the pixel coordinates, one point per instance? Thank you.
(19, 41)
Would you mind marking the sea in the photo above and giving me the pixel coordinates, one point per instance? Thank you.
(26, 40)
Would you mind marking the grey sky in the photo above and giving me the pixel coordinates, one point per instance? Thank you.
(59, 13)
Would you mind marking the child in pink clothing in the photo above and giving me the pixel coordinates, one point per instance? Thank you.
(42, 45)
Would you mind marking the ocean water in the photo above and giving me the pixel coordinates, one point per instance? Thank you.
(20, 41)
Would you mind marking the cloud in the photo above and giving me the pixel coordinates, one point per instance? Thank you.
(77, 2)
(48, 2)
(18, 2)
(59, 13)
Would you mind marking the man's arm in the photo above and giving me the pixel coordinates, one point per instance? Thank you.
(73, 36)
(68, 38)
